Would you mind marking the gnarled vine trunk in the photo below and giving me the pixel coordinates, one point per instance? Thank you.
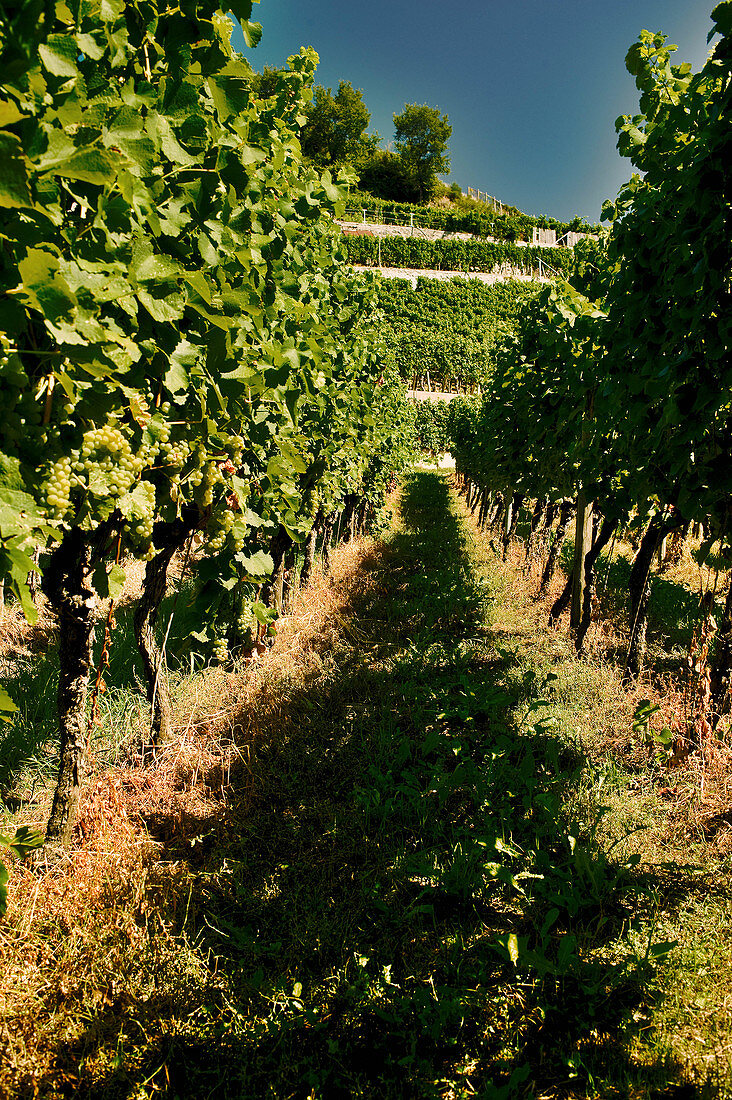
(537, 514)
(565, 518)
(496, 513)
(272, 587)
(153, 657)
(170, 537)
(512, 514)
(328, 526)
(310, 546)
(349, 511)
(603, 537)
(562, 601)
(721, 671)
(639, 590)
(66, 582)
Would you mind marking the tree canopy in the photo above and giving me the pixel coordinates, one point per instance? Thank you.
(335, 131)
(421, 137)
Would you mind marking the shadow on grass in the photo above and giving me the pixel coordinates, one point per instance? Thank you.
(403, 904)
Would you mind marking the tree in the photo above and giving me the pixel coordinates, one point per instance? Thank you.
(335, 132)
(422, 134)
(386, 177)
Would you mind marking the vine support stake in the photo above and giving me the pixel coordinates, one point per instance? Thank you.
(582, 547)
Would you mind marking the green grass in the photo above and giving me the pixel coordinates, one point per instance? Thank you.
(426, 879)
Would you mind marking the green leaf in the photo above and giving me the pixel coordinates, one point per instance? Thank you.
(9, 112)
(252, 33)
(92, 164)
(58, 54)
(230, 89)
(168, 308)
(134, 505)
(44, 287)
(26, 839)
(7, 706)
(109, 580)
(3, 889)
(116, 578)
(88, 45)
(257, 566)
(157, 268)
(14, 187)
(162, 134)
(182, 360)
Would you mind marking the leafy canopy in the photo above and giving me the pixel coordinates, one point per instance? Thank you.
(335, 130)
(421, 137)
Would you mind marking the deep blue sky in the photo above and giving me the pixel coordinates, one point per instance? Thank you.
(531, 87)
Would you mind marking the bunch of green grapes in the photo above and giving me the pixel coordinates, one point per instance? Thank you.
(244, 622)
(58, 487)
(204, 480)
(220, 525)
(237, 542)
(174, 454)
(220, 651)
(311, 503)
(106, 453)
(141, 526)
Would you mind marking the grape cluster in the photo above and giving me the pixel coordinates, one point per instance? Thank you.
(105, 451)
(244, 624)
(222, 525)
(174, 454)
(58, 487)
(142, 527)
(204, 480)
(220, 651)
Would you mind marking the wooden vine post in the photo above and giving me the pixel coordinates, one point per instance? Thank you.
(582, 547)
(582, 533)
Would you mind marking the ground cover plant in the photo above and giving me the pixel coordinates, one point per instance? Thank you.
(387, 862)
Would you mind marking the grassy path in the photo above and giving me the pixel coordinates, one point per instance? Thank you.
(408, 891)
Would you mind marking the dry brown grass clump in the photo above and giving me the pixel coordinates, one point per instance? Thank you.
(19, 640)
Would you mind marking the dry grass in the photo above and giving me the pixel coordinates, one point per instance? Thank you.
(140, 828)
(91, 941)
(19, 640)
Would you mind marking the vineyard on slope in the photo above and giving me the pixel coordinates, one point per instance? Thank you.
(477, 219)
(496, 257)
(185, 361)
(613, 395)
(444, 333)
